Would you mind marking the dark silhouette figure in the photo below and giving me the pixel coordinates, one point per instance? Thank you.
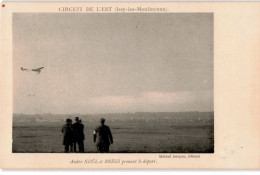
(103, 136)
(78, 135)
(82, 143)
(67, 135)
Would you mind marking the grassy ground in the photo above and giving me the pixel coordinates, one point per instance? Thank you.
(130, 136)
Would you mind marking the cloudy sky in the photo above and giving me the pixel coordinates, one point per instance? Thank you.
(109, 63)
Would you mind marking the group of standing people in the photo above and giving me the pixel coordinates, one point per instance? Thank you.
(73, 135)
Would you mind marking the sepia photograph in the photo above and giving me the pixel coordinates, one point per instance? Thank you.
(113, 83)
(130, 85)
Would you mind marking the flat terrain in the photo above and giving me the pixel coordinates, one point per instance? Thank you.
(188, 132)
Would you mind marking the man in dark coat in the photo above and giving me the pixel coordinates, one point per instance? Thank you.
(78, 135)
(67, 135)
(83, 136)
(103, 136)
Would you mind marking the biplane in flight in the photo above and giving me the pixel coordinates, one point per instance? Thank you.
(38, 70)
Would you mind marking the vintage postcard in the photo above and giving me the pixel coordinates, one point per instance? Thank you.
(151, 85)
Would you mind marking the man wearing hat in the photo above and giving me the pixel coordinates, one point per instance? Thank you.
(67, 135)
(103, 136)
(78, 135)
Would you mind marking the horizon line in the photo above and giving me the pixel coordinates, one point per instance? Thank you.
(106, 113)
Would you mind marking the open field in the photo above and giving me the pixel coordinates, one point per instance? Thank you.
(187, 132)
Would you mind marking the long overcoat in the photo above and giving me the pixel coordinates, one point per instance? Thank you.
(67, 134)
(104, 136)
(78, 132)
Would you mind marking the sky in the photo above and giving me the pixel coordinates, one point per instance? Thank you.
(112, 63)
